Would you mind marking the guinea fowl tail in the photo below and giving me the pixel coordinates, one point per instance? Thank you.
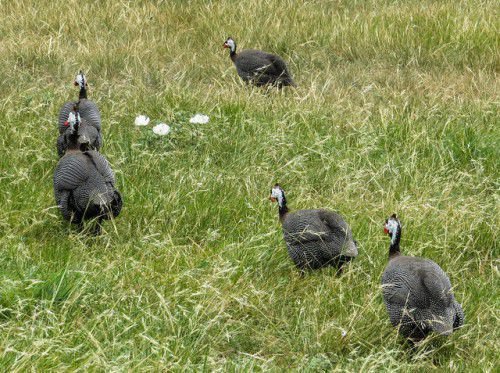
(441, 327)
(290, 83)
(101, 203)
(350, 249)
(443, 324)
(459, 318)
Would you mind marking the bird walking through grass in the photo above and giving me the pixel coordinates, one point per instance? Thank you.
(417, 292)
(258, 67)
(314, 238)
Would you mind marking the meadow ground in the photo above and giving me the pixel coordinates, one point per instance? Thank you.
(396, 110)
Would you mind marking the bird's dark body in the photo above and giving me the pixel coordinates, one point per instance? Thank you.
(417, 293)
(88, 111)
(262, 68)
(84, 187)
(89, 138)
(318, 238)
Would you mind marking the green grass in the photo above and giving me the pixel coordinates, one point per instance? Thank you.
(396, 110)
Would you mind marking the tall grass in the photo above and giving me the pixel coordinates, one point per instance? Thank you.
(396, 111)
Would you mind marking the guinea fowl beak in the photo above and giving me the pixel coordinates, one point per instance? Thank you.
(273, 199)
(225, 45)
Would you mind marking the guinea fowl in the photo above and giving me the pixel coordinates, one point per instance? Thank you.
(258, 67)
(417, 293)
(84, 184)
(88, 137)
(88, 109)
(314, 238)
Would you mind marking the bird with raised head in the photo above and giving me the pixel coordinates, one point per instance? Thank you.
(417, 292)
(84, 183)
(87, 108)
(258, 67)
(314, 238)
(88, 137)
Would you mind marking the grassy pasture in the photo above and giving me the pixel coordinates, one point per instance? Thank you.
(396, 110)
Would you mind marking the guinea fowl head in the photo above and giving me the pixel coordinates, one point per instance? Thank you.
(278, 195)
(81, 80)
(229, 43)
(73, 121)
(73, 124)
(392, 227)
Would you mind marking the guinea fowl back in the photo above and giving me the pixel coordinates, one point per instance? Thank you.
(84, 186)
(262, 67)
(88, 110)
(420, 285)
(88, 138)
(320, 225)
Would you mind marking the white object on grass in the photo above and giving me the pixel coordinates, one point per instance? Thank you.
(141, 120)
(161, 129)
(199, 119)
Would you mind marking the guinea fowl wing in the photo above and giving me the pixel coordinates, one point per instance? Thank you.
(109, 193)
(339, 232)
(436, 283)
(416, 291)
(281, 67)
(71, 172)
(102, 165)
(438, 289)
(88, 110)
(402, 283)
(252, 63)
(309, 240)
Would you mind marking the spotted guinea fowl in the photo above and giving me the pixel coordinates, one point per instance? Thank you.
(314, 238)
(88, 109)
(84, 184)
(417, 293)
(258, 67)
(88, 136)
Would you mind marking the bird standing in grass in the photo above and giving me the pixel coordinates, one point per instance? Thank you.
(88, 109)
(88, 137)
(84, 183)
(417, 293)
(258, 67)
(314, 238)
